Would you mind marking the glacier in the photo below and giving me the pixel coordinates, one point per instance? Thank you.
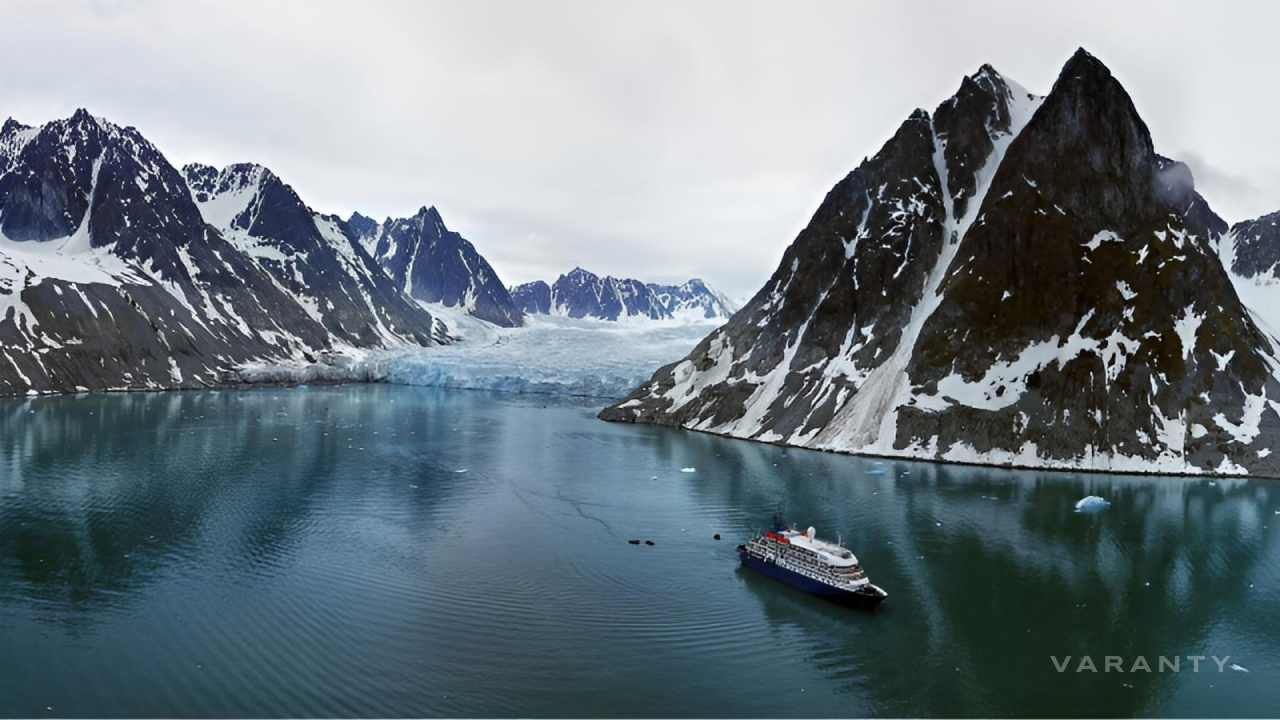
(550, 354)
(557, 355)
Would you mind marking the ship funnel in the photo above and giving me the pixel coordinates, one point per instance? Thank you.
(811, 532)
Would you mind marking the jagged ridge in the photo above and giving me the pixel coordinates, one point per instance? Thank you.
(436, 265)
(580, 293)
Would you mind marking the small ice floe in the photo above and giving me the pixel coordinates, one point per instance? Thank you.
(1238, 668)
(1091, 503)
(875, 472)
(415, 487)
(460, 470)
(689, 470)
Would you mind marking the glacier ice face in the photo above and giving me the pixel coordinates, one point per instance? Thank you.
(555, 355)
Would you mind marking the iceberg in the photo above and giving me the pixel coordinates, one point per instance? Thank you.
(1091, 503)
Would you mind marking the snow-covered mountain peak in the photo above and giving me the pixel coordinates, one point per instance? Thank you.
(229, 197)
(581, 276)
(582, 293)
(1012, 281)
(428, 219)
(363, 226)
(434, 264)
(107, 186)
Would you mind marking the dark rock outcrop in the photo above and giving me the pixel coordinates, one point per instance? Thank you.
(1256, 247)
(533, 298)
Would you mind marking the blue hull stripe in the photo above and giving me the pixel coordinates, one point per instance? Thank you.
(806, 583)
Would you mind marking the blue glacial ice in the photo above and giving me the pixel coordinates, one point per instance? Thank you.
(549, 355)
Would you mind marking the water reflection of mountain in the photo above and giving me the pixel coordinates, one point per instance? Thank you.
(337, 549)
(991, 572)
(82, 529)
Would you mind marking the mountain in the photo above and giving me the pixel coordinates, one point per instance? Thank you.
(580, 293)
(313, 258)
(436, 265)
(694, 299)
(110, 278)
(1250, 252)
(1011, 280)
(1255, 248)
(533, 298)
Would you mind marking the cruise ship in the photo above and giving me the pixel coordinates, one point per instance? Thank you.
(815, 566)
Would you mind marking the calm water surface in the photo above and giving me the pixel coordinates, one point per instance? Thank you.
(391, 551)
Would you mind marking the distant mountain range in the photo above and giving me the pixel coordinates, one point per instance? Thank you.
(117, 271)
(582, 294)
(1013, 280)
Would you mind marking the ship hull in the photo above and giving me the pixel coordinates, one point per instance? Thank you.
(867, 600)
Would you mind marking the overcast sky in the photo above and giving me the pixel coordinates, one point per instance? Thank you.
(646, 139)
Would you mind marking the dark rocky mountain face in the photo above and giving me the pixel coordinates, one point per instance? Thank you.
(1255, 248)
(111, 279)
(533, 298)
(436, 265)
(580, 294)
(1176, 188)
(1250, 252)
(316, 259)
(1010, 281)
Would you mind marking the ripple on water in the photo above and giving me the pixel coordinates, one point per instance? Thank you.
(192, 565)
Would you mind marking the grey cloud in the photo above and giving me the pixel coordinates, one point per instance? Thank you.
(657, 140)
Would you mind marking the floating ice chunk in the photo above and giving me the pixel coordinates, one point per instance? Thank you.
(1092, 503)
(460, 470)
(689, 470)
(875, 472)
(1238, 668)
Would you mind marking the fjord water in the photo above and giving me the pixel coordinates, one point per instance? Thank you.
(388, 551)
